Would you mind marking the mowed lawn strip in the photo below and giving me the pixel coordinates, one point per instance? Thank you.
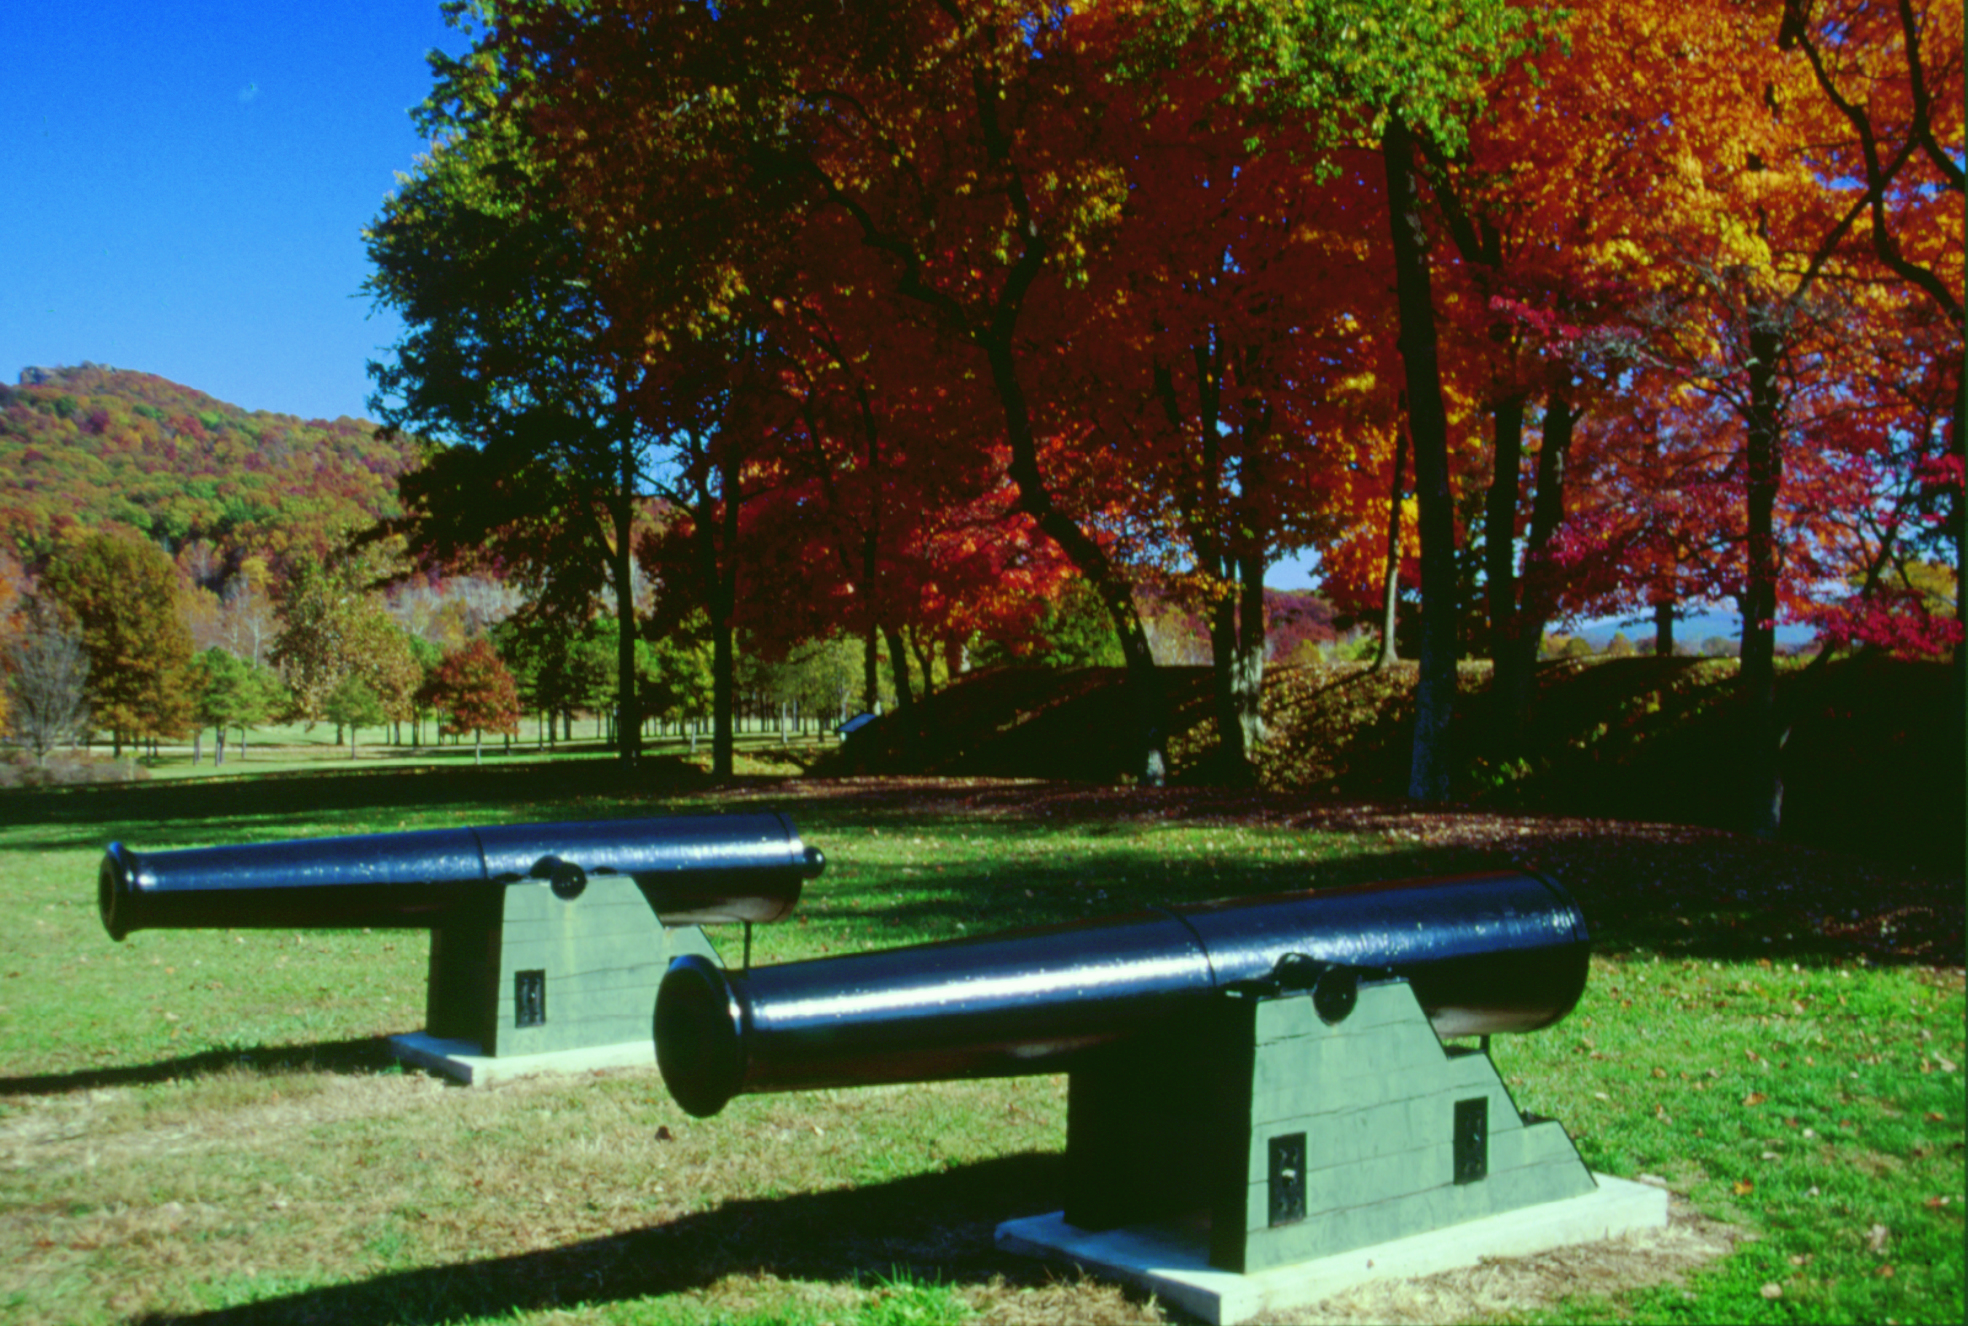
(194, 1121)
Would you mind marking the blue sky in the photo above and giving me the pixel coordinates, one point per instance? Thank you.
(186, 186)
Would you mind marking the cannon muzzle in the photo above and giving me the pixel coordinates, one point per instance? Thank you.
(1484, 953)
(692, 869)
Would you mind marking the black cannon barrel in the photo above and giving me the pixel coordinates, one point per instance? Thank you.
(692, 868)
(1484, 953)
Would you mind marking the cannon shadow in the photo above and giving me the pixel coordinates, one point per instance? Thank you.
(936, 1228)
(368, 1054)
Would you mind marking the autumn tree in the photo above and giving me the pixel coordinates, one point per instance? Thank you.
(475, 692)
(1224, 344)
(1394, 76)
(334, 626)
(1893, 75)
(935, 149)
(121, 596)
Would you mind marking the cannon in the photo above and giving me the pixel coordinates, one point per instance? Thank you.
(545, 938)
(1487, 953)
(691, 869)
(1285, 1067)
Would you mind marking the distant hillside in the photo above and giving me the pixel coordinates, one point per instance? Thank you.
(96, 446)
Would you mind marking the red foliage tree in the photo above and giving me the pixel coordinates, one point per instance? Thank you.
(476, 693)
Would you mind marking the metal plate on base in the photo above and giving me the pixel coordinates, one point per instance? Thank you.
(1172, 1261)
(464, 1061)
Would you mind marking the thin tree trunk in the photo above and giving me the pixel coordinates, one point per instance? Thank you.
(478, 746)
(1500, 576)
(628, 728)
(1390, 587)
(1431, 769)
(921, 651)
(1540, 588)
(1758, 675)
(870, 670)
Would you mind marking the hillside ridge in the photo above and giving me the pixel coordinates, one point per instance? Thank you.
(94, 447)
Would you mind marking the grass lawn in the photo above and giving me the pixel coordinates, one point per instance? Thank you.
(206, 1125)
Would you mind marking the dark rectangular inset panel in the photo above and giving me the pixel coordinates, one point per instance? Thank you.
(1472, 1140)
(1287, 1178)
(529, 998)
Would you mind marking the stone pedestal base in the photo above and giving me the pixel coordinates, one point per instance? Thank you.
(1172, 1260)
(464, 1061)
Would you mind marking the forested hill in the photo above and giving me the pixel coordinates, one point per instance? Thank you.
(100, 447)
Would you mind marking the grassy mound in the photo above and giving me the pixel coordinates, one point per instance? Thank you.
(1873, 764)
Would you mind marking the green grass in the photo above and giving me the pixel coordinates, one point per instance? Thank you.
(207, 1122)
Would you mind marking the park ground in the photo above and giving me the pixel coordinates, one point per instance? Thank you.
(207, 1125)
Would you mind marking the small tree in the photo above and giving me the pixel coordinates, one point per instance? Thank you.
(227, 691)
(353, 704)
(122, 597)
(47, 684)
(477, 694)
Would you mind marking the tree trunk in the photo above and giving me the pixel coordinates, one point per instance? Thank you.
(898, 663)
(628, 728)
(870, 670)
(1431, 769)
(1757, 678)
(1247, 668)
(1390, 587)
(724, 656)
(197, 746)
(1035, 497)
(1540, 591)
(1500, 576)
(218, 747)
(1664, 629)
(919, 648)
(478, 746)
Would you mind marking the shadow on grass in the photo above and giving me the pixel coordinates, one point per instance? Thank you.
(235, 806)
(370, 1054)
(937, 1228)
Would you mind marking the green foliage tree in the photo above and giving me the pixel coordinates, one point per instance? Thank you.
(227, 692)
(354, 704)
(680, 678)
(541, 457)
(121, 595)
(475, 691)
